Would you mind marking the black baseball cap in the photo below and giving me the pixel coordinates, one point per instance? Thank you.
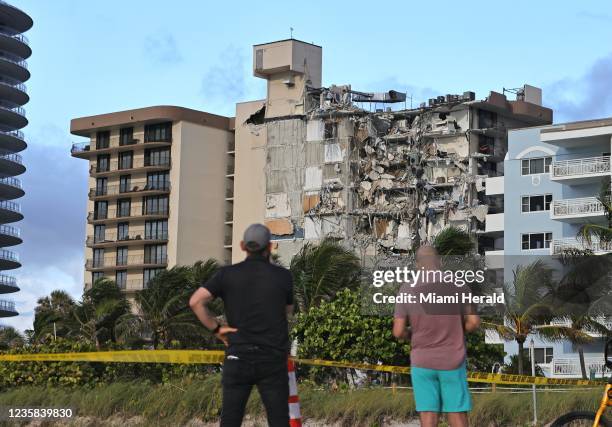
(256, 237)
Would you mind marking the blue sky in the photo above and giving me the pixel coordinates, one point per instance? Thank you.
(98, 56)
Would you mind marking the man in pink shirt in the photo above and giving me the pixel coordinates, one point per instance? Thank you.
(438, 352)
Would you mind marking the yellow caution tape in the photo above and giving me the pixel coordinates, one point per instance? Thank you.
(217, 357)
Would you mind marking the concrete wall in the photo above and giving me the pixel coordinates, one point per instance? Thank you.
(200, 211)
(250, 177)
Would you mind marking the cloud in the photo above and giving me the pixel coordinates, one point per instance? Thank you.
(162, 48)
(586, 97)
(226, 81)
(53, 229)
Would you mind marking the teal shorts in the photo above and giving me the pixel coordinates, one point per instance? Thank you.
(441, 391)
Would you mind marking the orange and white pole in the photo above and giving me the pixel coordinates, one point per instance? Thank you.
(295, 416)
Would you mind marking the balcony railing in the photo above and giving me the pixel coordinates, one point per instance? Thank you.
(127, 261)
(14, 84)
(113, 190)
(10, 206)
(134, 211)
(7, 306)
(139, 163)
(6, 31)
(15, 158)
(13, 182)
(10, 231)
(570, 367)
(8, 280)
(14, 59)
(14, 133)
(577, 167)
(111, 237)
(114, 142)
(8, 255)
(10, 106)
(584, 206)
(559, 246)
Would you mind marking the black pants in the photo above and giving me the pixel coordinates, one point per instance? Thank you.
(250, 366)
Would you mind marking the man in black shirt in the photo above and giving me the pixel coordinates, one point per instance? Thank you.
(258, 297)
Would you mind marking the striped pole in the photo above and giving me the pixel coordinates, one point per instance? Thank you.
(295, 417)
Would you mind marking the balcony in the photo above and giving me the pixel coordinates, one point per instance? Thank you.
(12, 65)
(11, 165)
(7, 309)
(141, 188)
(136, 212)
(9, 236)
(494, 223)
(10, 188)
(12, 140)
(133, 261)
(9, 260)
(115, 167)
(131, 238)
(577, 210)
(12, 114)
(580, 171)
(85, 149)
(8, 284)
(13, 90)
(558, 246)
(10, 211)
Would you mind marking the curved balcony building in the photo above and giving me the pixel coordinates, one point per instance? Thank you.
(14, 50)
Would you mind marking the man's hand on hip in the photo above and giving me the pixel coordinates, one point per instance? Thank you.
(222, 333)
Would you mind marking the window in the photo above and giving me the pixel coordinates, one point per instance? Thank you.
(541, 354)
(536, 203)
(125, 183)
(155, 254)
(536, 165)
(126, 136)
(155, 205)
(156, 230)
(486, 119)
(96, 275)
(158, 180)
(101, 186)
(124, 207)
(150, 273)
(99, 233)
(123, 230)
(98, 257)
(122, 255)
(126, 160)
(103, 163)
(121, 278)
(486, 145)
(101, 209)
(158, 132)
(535, 241)
(103, 139)
(157, 157)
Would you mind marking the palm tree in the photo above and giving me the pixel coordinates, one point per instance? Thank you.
(163, 313)
(453, 241)
(320, 271)
(10, 338)
(600, 232)
(523, 311)
(100, 310)
(53, 316)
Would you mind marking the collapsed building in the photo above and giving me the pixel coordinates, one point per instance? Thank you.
(362, 167)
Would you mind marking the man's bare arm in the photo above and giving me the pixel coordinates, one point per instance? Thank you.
(401, 330)
(471, 322)
(198, 302)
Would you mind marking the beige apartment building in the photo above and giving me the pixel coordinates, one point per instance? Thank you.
(159, 191)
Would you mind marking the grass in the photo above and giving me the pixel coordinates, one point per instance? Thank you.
(177, 403)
